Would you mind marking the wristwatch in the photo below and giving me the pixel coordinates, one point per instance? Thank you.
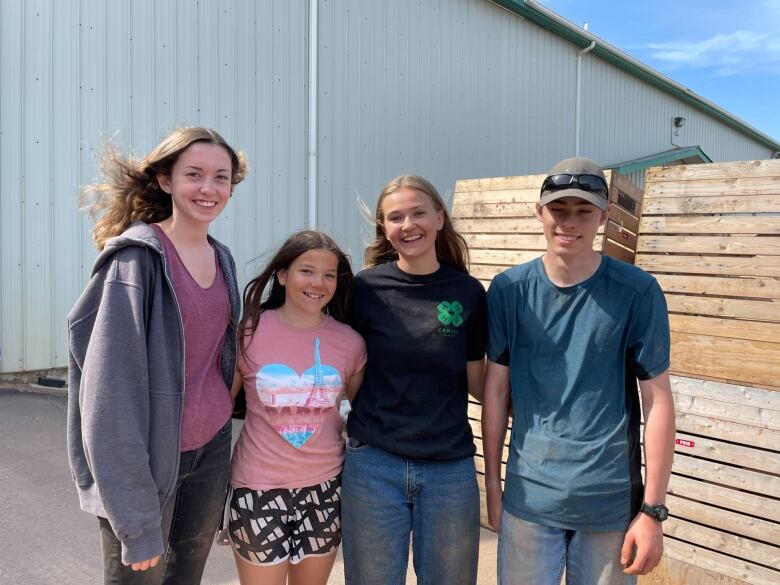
(659, 512)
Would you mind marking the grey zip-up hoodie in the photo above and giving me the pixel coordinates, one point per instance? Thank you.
(126, 386)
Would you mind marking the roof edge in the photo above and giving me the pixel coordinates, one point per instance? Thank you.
(548, 19)
(659, 159)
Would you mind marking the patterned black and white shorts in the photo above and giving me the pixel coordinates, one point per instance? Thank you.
(272, 526)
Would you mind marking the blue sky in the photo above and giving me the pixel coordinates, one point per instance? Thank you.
(726, 51)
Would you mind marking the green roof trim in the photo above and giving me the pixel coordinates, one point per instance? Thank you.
(660, 159)
(556, 24)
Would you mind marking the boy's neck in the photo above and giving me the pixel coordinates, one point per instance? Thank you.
(563, 271)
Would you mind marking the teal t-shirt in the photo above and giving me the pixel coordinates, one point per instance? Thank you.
(574, 354)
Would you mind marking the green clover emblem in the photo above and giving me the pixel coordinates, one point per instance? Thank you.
(450, 313)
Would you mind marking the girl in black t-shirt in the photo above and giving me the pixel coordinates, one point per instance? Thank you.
(409, 466)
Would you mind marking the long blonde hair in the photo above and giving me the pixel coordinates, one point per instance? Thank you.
(451, 248)
(130, 192)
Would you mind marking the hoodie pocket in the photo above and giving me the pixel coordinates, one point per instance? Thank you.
(164, 430)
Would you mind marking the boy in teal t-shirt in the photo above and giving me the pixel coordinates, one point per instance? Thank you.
(570, 333)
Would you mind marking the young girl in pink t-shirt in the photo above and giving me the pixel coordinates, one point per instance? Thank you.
(297, 359)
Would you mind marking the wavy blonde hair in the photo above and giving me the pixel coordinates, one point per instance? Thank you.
(451, 248)
(129, 190)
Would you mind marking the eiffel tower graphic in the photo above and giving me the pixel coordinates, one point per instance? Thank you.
(318, 397)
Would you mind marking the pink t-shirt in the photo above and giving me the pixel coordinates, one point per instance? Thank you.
(205, 314)
(293, 380)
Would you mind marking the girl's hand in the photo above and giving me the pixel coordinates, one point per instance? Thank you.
(147, 564)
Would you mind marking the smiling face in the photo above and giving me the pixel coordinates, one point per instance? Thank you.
(411, 223)
(570, 225)
(199, 183)
(309, 283)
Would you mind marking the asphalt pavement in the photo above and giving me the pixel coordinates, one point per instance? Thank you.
(45, 539)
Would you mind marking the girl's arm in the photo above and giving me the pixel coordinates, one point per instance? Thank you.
(238, 381)
(475, 372)
(353, 385)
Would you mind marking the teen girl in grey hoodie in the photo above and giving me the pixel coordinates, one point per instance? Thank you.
(152, 355)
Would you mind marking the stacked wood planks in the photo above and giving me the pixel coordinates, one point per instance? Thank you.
(723, 495)
(711, 236)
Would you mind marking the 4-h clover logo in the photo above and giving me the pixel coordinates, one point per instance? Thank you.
(450, 313)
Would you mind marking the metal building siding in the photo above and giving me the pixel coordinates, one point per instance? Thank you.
(76, 74)
(625, 118)
(445, 89)
(11, 198)
(462, 88)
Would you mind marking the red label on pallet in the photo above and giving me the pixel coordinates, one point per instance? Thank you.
(684, 443)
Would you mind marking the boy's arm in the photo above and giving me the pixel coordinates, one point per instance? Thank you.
(495, 416)
(475, 372)
(645, 533)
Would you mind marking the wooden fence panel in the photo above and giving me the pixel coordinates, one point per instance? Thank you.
(709, 234)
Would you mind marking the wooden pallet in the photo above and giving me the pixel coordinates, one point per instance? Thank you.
(724, 493)
(711, 236)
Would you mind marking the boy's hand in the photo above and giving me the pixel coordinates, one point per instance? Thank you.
(646, 537)
(147, 564)
(494, 505)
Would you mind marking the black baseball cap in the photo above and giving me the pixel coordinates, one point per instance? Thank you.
(576, 177)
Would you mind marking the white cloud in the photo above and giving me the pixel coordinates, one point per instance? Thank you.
(727, 54)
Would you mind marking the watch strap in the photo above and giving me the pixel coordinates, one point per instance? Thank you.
(659, 512)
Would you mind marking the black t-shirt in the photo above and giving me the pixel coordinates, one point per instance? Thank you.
(420, 331)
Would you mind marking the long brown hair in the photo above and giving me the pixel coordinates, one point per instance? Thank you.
(130, 192)
(451, 248)
(256, 300)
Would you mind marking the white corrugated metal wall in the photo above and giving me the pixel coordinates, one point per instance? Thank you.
(463, 88)
(625, 118)
(442, 89)
(445, 88)
(76, 73)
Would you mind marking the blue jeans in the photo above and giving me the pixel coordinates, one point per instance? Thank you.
(533, 554)
(189, 520)
(385, 498)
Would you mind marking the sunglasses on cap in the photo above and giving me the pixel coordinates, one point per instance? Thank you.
(592, 183)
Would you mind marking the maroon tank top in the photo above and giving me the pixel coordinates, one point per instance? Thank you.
(205, 313)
